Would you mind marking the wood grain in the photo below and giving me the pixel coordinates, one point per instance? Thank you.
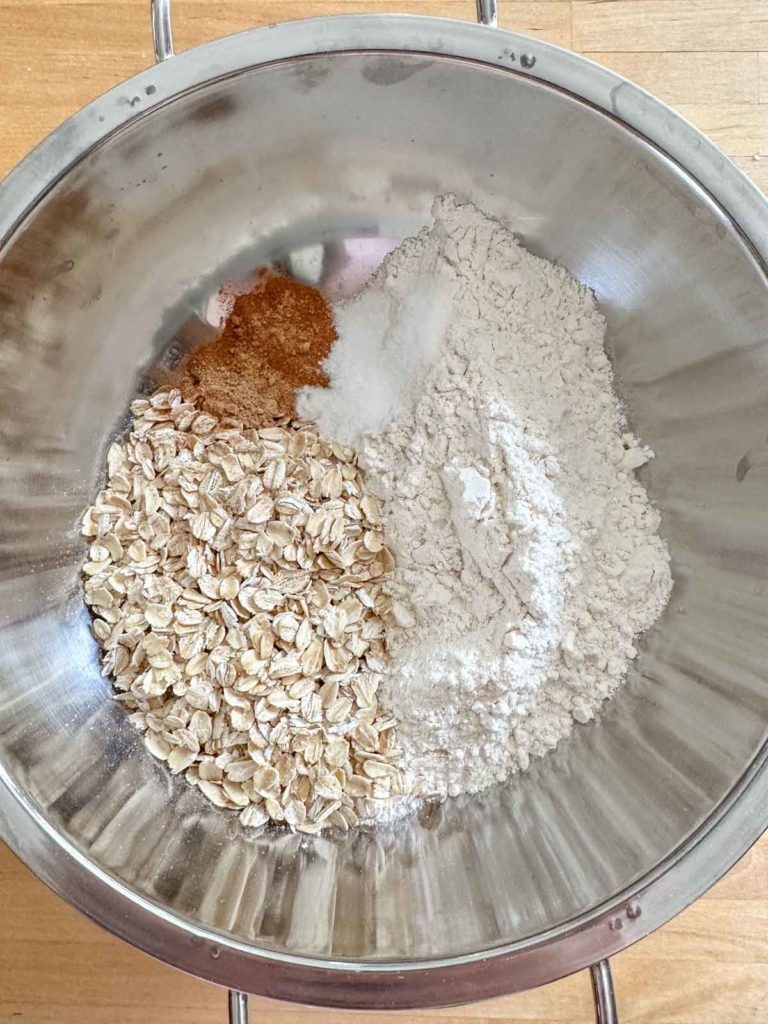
(670, 25)
(741, 129)
(695, 77)
(708, 58)
(708, 966)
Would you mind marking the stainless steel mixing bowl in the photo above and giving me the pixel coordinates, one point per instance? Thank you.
(319, 143)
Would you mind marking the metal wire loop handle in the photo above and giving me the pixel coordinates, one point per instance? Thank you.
(238, 1007)
(162, 30)
(602, 989)
(487, 13)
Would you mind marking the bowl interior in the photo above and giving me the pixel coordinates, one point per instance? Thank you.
(323, 164)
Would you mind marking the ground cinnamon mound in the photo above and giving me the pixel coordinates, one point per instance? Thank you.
(272, 343)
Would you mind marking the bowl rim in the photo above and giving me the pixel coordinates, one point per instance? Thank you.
(734, 825)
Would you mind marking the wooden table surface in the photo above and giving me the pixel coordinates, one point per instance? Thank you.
(709, 59)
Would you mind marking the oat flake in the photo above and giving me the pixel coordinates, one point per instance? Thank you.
(235, 578)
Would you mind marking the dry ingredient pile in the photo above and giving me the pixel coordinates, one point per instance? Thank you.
(273, 342)
(413, 588)
(235, 579)
(527, 553)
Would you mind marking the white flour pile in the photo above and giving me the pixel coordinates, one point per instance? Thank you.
(472, 377)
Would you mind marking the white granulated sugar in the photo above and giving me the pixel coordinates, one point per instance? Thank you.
(398, 326)
(473, 378)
